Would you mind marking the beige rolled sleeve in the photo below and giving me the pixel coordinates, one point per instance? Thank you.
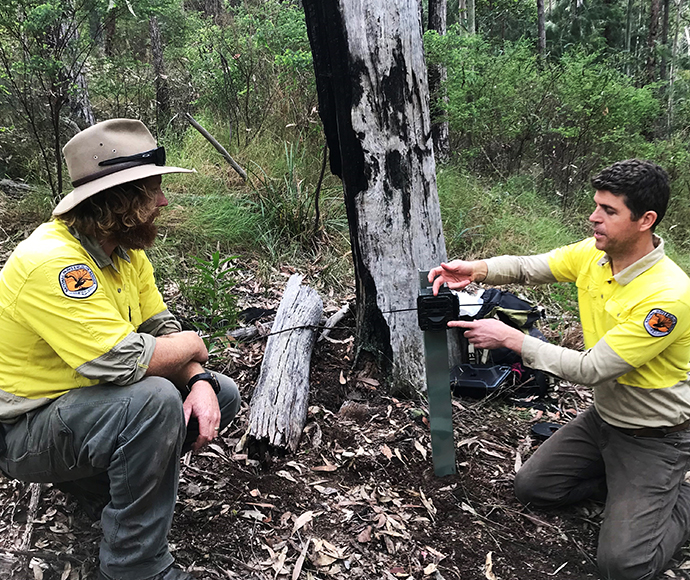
(592, 367)
(519, 270)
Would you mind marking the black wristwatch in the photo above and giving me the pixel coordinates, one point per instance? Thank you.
(211, 378)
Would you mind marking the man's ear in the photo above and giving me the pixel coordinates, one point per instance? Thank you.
(647, 221)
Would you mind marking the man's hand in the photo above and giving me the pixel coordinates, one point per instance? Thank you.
(202, 404)
(457, 274)
(491, 333)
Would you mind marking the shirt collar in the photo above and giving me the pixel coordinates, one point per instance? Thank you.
(94, 249)
(628, 274)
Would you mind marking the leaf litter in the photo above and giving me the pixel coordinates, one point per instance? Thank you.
(358, 500)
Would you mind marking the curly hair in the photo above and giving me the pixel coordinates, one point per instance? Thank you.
(643, 185)
(113, 211)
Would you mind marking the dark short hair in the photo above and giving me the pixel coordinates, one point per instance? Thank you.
(644, 185)
(112, 211)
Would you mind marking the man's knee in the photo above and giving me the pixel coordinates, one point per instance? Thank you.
(619, 565)
(157, 399)
(228, 398)
(530, 489)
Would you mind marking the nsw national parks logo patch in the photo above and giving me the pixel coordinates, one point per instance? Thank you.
(659, 322)
(78, 281)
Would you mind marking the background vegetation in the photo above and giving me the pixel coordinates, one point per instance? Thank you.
(527, 128)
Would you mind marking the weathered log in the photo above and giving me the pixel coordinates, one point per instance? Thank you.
(241, 172)
(278, 409)
(333, 320)
(250, 332)
(14, 189)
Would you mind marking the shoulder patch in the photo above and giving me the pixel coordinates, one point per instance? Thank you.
(659, 322)
(78, 281)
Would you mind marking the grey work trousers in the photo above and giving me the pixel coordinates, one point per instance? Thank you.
(647, 514)
(127, 441)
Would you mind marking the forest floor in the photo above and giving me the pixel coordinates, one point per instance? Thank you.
(357, 500)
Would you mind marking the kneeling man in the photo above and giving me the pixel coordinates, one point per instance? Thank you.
(634, 302)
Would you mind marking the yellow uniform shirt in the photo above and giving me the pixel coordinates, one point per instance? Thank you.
(636, 326)
(66, 322)
(643, 316)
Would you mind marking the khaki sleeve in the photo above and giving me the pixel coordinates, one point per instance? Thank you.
(160, 324)
(597, 365)
(124, 364)
(519, 270)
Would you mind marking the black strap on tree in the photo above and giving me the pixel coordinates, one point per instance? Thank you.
(433, 314)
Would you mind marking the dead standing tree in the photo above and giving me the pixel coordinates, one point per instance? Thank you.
(374, 103)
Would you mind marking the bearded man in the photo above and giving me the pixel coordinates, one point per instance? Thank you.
(100, 389)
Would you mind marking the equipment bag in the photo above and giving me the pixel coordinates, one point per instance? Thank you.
(509, 309)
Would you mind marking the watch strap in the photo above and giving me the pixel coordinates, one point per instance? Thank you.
(206, 376)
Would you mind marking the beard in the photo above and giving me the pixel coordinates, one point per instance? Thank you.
(139, 237)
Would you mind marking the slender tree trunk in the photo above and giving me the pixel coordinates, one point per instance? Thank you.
(628, 34)
(109, 32)
(471, 15)
(437, 79)
(162, 92)
(374, 103)
(652, 40)
(674, 57)
(462, 13)
(664, 40)
(78, 101)
(541, 29)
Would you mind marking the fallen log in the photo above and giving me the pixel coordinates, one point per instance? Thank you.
(14, 189)
(249, 333)
(278, 408)
(333, 320)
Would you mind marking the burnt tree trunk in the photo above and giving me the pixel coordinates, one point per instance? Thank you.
(541, 29)
(374, 103)
(663, 71)
(437, 80)
(652, 40)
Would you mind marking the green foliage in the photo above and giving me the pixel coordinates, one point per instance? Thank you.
(209, 293)
(287, 203)
(42, 55)
(506, 20)
(255, 67)
(508, 111)
(595, 24)
(506, 218)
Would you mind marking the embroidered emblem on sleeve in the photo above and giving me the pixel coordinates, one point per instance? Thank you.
(659, 322)
(78, 281)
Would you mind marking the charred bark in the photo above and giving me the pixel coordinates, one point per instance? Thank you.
(541, 29)
(161, 82)
(652, 40)
(374, 105)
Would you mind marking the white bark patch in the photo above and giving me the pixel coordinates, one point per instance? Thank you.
(400, 229)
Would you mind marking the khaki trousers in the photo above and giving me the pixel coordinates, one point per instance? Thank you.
(647, 514)
(121, 441)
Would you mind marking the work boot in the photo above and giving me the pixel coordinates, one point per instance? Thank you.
(171, 573)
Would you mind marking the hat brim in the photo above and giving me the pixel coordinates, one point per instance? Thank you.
(79, 194)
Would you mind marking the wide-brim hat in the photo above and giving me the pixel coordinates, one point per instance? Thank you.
(111, 153)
